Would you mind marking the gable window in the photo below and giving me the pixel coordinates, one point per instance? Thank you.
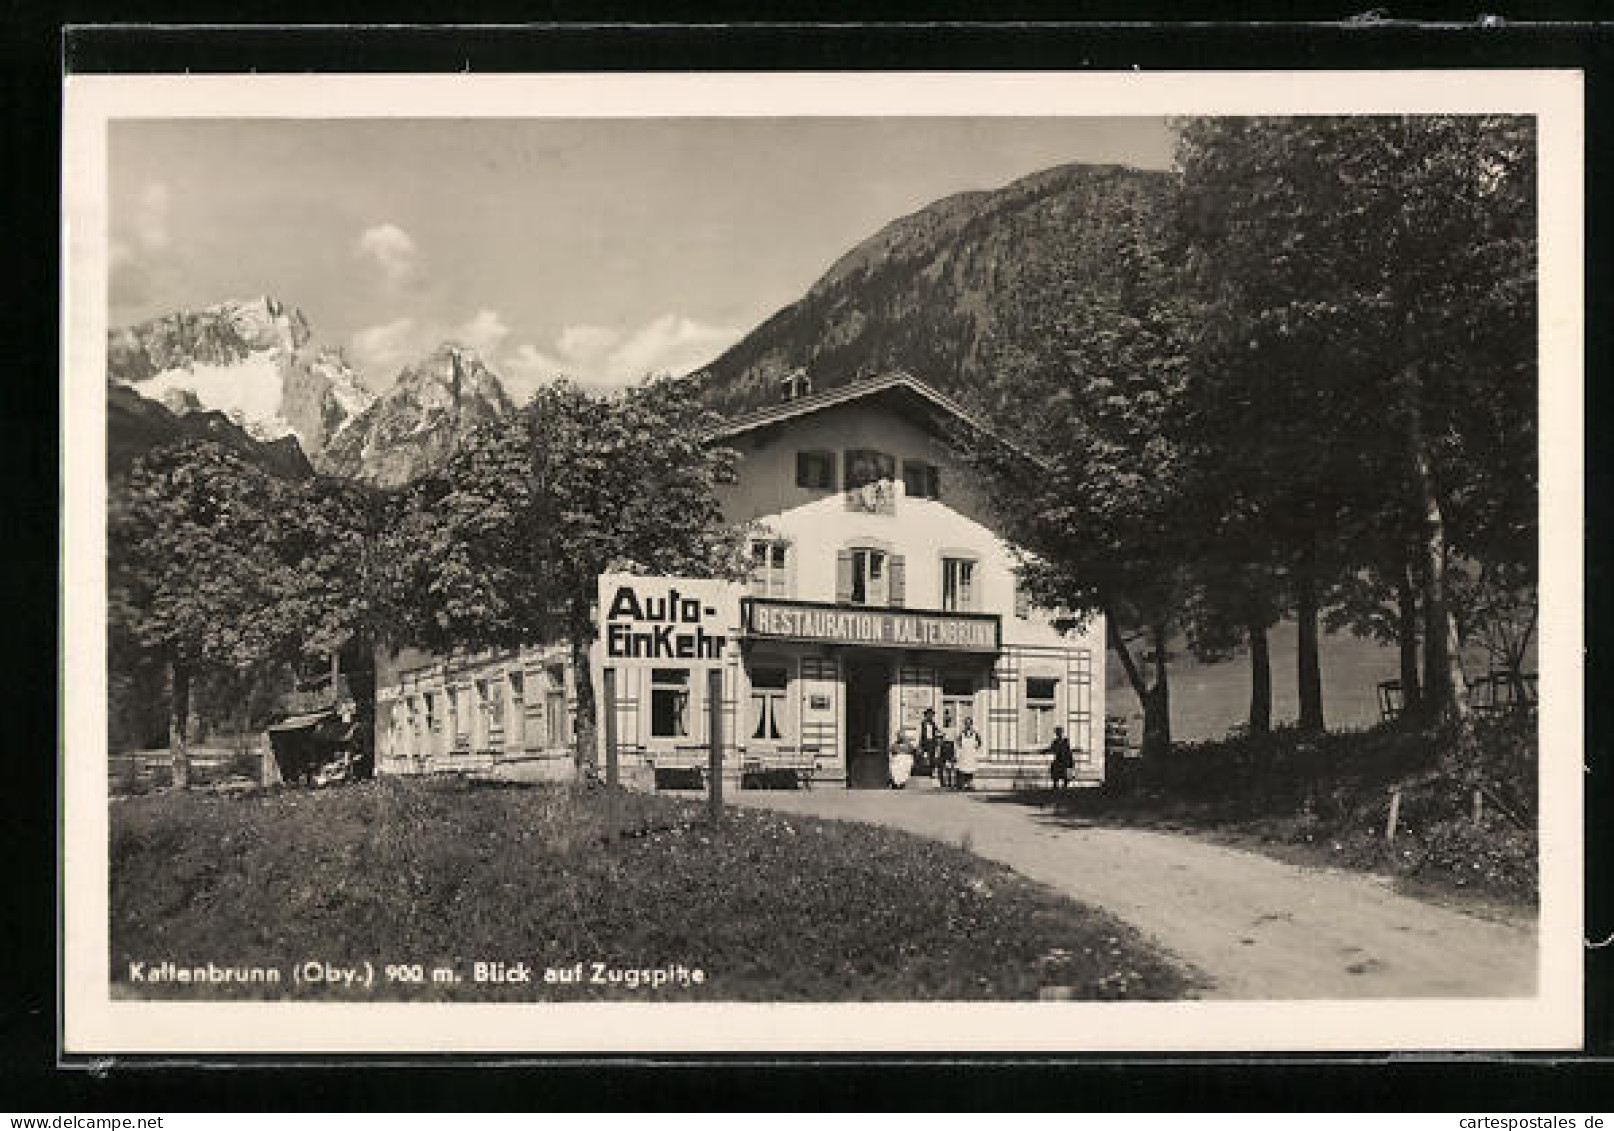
(768, 685)
(921, 480)
(815, 470)
(1042, 695)
(770, 568)
(958, 585)
(669, 702)
(865, 466)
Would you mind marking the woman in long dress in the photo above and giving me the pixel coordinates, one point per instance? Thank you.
(968, 756)
(901, 759)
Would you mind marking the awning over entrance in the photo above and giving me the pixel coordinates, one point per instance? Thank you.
(301, 722)
(813, 622)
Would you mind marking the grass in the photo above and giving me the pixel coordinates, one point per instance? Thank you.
(449, 872)
(1326, 800)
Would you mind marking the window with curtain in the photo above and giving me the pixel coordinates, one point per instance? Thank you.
(770, 568)
(958, 585)
(768, 721)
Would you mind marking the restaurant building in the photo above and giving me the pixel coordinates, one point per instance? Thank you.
(880, 589)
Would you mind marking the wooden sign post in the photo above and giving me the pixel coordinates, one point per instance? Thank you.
(612, 771)
(714, 707)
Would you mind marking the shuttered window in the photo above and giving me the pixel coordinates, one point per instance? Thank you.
(921, 480)
(815, 470)
(865, 575)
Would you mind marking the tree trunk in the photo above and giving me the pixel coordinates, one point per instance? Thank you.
(179, 709)
(1157, 703)
(1407, 638)
(582, 635)
(1155, 700)
(1309, 668)
(1260, 680)
(1444, 684)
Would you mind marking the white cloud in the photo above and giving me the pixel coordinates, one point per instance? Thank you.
(151, 217)
(604, 356)
(484, 333)
(670, 344)
(385, 348)
(391, 249)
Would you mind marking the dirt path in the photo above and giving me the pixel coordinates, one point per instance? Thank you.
(1258, 927)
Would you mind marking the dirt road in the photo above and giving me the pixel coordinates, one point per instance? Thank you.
(1259, 928)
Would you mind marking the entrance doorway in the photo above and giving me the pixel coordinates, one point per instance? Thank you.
(868, 708)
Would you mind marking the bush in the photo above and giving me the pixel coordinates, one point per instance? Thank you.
(1331, 793)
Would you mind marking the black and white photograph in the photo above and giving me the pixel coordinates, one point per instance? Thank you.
(1040, 562)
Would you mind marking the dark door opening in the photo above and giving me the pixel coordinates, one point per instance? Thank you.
(868, 694)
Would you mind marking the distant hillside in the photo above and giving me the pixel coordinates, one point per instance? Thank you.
(135, 425)
(924, 294)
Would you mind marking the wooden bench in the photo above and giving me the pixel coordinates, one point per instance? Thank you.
(784, 768)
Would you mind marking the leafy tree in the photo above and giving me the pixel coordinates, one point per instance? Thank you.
(506, 545)
(1385, 269)
(1097, 339)
(196, 571)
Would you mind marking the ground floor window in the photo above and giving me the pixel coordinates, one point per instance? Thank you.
(516, 711)
(768, 704)
(462, 717)
(669, 703)
(494, 706)
(958, 703)
(555, 706)
(1042, 695)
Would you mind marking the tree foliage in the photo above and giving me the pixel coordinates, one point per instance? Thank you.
(1100, 347)
(505, 546)
(1374, 280)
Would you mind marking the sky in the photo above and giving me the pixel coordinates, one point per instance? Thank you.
(602, 249)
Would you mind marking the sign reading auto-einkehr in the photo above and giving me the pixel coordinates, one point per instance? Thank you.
(672, 622)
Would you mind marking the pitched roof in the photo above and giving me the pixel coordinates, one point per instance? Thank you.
(892, 387)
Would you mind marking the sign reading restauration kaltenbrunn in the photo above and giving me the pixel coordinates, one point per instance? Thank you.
(667, 622)
(879, 628)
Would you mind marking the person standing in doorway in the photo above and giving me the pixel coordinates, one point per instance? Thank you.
(929, 742)
(967, 756)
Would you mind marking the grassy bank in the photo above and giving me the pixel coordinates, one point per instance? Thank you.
(1326, 800)
(447, 873)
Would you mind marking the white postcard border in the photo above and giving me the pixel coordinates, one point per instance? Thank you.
(93, 1023)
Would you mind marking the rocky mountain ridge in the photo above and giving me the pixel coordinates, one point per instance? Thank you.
(420, 420)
